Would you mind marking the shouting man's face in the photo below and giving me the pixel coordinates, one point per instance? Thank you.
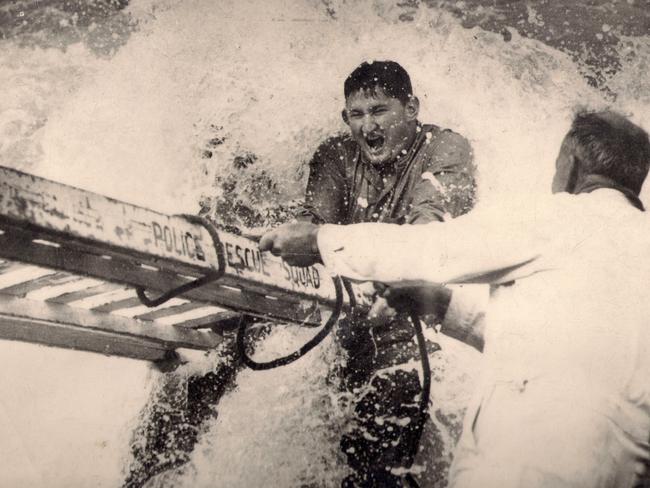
(383, 126)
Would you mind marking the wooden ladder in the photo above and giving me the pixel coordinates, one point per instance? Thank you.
(70, 260)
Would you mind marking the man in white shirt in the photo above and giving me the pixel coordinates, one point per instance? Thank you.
(565, 399)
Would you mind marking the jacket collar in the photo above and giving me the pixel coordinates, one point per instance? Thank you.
(596, 182)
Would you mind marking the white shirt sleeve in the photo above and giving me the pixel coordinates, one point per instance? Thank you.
(465, 317)
(479, 247)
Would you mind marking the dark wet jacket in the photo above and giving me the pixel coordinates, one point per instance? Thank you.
(433, 180)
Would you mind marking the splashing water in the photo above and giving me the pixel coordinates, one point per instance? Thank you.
(295, 406)
(212, 102)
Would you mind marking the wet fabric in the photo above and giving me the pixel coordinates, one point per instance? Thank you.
(432, 181)
(387, 400)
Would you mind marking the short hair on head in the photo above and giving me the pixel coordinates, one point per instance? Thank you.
(608, 144)
(388, 76)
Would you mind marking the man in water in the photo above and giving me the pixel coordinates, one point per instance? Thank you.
(389, 168)
(566, 396)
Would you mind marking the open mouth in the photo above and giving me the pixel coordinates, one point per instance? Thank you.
(375, 142)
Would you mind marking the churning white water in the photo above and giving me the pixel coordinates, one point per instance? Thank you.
(199, 84)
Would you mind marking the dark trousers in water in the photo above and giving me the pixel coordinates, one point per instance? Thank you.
(386, 410)
(175, 416)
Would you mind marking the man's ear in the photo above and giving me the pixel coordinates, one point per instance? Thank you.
(344, 116)
(574, 174)
(412, 108)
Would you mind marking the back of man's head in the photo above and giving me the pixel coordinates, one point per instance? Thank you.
(608, 144)
(388, 76)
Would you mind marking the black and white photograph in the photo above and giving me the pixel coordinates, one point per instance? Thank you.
(324, 244)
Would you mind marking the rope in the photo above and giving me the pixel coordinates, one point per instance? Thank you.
(424, 398)
(308, 346)
(203, 280)
(217, 274)
(348, 288)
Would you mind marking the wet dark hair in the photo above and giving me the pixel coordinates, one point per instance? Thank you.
(608, 144)
(388, 76)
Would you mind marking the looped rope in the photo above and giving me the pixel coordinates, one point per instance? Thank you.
(203, 280)
(426, 393)
(308, 346)
(215, 275)
(348, 287)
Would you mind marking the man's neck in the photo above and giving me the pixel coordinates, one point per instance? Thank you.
(590, 183)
